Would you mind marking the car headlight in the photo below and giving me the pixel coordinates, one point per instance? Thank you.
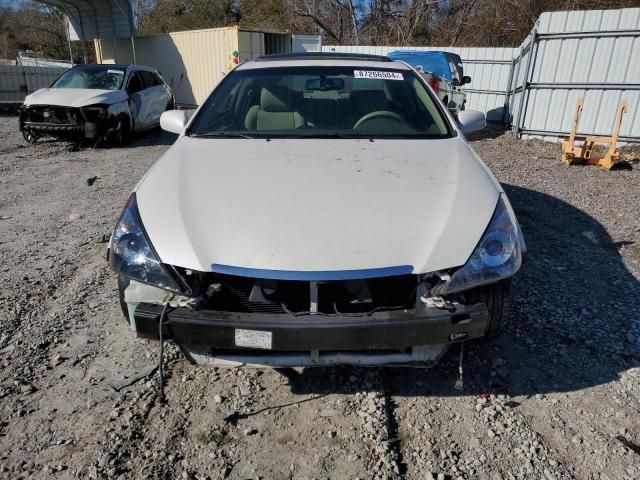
(497, 256)
(95, 113)
(132, 255)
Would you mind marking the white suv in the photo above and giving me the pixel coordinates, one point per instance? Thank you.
(97, 103)
(317, 209)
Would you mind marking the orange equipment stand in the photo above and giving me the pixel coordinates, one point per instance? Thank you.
(572, 154)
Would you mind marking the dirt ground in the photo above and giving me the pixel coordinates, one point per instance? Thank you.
(557, 396)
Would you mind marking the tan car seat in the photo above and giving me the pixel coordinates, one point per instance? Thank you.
(275, 112)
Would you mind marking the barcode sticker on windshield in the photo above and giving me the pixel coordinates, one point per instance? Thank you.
(118, 72)
(377, 74)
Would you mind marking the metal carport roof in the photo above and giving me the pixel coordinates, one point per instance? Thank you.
(89, 19)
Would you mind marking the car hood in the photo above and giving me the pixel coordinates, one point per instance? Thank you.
(317, 204)
(74, 97)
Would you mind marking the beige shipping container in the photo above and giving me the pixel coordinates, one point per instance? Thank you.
(193, 62)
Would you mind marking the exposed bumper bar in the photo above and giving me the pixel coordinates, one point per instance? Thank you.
(51, 127)
(304, 333)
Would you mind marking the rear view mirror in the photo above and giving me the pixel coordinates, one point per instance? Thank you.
(471, 121)
(324, 83)
(466, 79)
(174, 121)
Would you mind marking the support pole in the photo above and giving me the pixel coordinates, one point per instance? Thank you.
(66, 30)
(507, 94)
(525, 81)
(133, 49)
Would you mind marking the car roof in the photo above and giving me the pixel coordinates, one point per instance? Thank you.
(431, 61)
(117, 66)
(323, 59)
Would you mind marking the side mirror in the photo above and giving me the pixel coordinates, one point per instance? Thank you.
(471, 121)
(466, 79)
(174, 121)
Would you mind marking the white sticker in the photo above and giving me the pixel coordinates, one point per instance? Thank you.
(377, 74)
(117, 72)
(253, 339)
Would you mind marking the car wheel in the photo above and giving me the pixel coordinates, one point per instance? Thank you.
(497, 298)
(122, 132)
(29, 136)
(123, 283)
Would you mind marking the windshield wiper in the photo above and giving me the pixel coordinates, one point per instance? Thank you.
(326, 135)
(220, 135)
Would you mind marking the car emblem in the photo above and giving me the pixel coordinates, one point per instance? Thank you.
(46, 114)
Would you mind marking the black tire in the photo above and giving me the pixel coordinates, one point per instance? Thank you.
(123, 283)
(29, 136)
(497, 298)
(123, 132)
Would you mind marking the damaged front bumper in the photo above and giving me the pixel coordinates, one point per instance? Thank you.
(67, 122)
(392, 337)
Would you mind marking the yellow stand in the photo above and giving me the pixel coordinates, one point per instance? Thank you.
(573, 155)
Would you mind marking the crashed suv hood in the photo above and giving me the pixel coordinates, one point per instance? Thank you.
(317, 204)
(74, 97)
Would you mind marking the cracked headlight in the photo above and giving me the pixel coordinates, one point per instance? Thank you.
(132, 255)
(497, 256)
(95, 113)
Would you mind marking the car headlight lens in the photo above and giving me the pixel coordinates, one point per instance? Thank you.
(131, 253)
(95, 113)
(497, 256)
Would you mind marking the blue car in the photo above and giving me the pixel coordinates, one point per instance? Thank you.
(443, 71)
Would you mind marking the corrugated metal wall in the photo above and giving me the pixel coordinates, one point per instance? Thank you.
(17, 81)
(488, 68)
(593, 54)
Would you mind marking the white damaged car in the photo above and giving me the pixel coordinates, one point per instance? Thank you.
(317, 209)
(97, 103)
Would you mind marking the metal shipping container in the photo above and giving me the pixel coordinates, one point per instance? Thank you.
(193, 62)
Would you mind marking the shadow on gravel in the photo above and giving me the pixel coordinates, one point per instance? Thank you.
(492, 130)
(574, 307)
(151, 138)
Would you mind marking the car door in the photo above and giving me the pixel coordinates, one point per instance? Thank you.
(138, 101)
(157, 95)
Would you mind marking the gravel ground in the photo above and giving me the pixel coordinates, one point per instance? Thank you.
(557, 396)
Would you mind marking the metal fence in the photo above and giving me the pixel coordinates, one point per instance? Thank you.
(593, 54)
(17, 81)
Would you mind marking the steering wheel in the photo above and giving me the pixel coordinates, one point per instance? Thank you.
(376, 115)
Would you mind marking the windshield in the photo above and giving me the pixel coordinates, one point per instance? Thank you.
(94, 78)
(319, 101)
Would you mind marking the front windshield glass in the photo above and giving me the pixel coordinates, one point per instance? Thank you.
(321, 101)
(93, 78)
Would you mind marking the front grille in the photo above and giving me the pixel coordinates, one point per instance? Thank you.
(231, 293)
(54, 115)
